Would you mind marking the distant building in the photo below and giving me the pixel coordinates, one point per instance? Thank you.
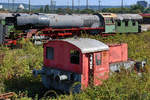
(21, 7)
(143, 3)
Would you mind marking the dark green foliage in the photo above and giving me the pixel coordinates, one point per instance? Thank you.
(46, 9)
(132, 9)
(16, 69)
(41, 10)
(137, 7)
(60, 11)
(116, 10)
(87, 11)
(147, 10)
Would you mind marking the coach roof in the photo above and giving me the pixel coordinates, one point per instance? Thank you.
(129, 16)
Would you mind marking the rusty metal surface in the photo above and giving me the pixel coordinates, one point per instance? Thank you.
(109, 15)
(6, 96)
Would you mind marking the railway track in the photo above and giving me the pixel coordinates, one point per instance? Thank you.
(7, 96)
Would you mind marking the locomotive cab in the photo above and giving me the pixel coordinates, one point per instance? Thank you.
(71, 61)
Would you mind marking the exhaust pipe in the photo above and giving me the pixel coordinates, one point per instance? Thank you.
(61, 77)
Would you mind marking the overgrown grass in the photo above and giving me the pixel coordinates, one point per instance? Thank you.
(16, 72)
(16, 69)
(122, 86)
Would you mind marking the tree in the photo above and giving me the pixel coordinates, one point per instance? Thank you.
(116, 10)
(46, 9)
(60, 11)
(68, 11)
(146, 10)
(41, 9)
(137, 8)
(87, 11)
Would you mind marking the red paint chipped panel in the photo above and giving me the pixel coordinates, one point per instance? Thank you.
(118, 53)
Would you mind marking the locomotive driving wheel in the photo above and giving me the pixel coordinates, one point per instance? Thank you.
(50, 94)
(76, 87)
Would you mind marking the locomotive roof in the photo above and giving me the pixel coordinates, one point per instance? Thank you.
(4, 15)
(108, 15)
(129, 16)
(87, 45)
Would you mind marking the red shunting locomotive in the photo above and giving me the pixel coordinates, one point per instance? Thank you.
(83, 60)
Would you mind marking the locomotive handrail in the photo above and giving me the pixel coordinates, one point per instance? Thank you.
(51, 29)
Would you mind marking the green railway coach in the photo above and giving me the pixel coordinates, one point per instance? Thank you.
(5, 29)
(8, 28)
(128, 23)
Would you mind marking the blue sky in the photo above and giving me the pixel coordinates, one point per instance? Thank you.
(82, 2)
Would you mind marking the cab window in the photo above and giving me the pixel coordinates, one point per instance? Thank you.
(50, 53)
(98, 59)
(74, 57)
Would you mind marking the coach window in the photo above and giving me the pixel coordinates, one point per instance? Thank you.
(107, 21)
(50, 53)
(133, 23)
(98, 59)
(112, 20)
(118, 23)
(126, 23)
(74, 57)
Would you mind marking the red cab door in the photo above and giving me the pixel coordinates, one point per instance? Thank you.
(100, 67)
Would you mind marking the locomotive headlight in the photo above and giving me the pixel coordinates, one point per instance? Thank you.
(61, 77)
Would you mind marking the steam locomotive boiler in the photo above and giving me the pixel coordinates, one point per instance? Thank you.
(56, 21)
(54, 24)
(82, 60)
